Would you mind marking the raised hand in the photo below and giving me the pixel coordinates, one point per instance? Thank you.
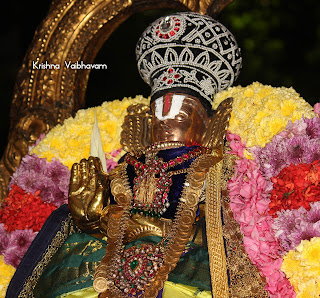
(88, 193)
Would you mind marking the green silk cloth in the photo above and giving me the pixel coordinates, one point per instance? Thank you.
(72, 268)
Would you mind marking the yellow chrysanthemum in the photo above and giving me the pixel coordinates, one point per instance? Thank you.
(6, 273)
(302, 268)
(261, 111)
(70, 142)
(310, 251)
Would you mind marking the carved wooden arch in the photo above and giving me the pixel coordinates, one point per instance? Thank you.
(73, 30)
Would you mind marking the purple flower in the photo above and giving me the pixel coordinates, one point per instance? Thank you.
(293, 226)
(313, 128)
(50, 178)
(12, 257)
(59, 197)
(57, 171)
(313, 152)
(304, 231)
(285, 224)
(27, 180)
(313, 215)
(297, 128)
(18, 244)
(300, 142)
(47, 189)
(297, 148)
(273, 157)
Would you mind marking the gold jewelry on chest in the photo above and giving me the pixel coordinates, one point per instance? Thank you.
(152, 184)
(140, 271)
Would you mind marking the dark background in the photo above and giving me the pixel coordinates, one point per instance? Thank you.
(280, 41)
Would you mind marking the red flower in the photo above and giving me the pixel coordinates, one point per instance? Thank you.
(22, 210)
(295, 187)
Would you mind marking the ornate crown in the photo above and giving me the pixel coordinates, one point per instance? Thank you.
(188, 52)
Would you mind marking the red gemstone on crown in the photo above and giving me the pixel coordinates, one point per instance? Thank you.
(177, 76)
(172, 33)
(170, 70)
(176, 29)
(164, 78)
(170, 81)
(171, 162)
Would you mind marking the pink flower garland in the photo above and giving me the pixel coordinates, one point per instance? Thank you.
(249, 202)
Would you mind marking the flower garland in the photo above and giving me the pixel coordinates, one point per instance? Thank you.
(275, 199)
(303, 268)
(6, 273)
(276, 236)
(41, 182)
(249, 203)
(22, 210)
(70, 142)
(263, 109)
(50, 179)
(296, 186)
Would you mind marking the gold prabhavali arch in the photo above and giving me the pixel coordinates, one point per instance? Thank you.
(73, 30)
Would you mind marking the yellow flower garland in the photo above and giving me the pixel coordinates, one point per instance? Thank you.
(261, 111)
(302, 267)
(70, 142)
(6, 273)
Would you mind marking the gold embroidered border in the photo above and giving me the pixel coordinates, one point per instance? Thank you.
(67, 228)
(245, 280)
(217, 257)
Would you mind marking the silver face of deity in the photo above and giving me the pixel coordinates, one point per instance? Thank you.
(178, 118)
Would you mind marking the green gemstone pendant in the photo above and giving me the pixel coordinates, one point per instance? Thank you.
(134, 264)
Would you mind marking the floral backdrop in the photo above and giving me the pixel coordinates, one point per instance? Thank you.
(274, 193)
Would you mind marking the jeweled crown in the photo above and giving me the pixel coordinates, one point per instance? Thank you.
(188, 52)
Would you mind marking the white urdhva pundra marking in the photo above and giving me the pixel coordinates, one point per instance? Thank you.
(177, 101)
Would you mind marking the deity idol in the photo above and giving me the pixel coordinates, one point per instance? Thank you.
(164, 209)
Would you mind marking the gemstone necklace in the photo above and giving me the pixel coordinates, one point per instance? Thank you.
(153, 181)
(141, 270)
